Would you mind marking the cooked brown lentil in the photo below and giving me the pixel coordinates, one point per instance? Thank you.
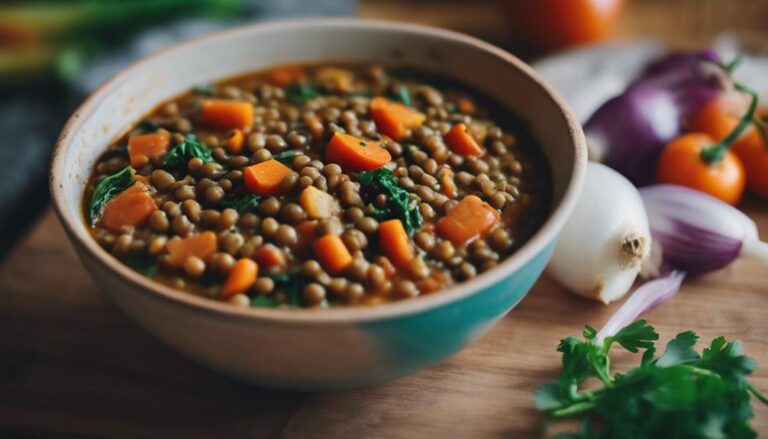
(293, 124)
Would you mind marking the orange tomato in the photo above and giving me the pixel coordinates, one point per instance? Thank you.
(753, 152)
(553, 24)
(681, 163)
(719, 117)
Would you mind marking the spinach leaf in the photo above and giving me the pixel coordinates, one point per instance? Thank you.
(247, 202)
(148, 126)
(399, 205)
(185, 151)
(142, 263)
(205, 89)
(106, 190)
(286, 157)
(292, 283)
(264, 302)
(301, 93)
(403, 95)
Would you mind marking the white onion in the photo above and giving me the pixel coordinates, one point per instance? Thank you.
(606, 239)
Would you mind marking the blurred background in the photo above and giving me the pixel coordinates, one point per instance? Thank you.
(53, 53)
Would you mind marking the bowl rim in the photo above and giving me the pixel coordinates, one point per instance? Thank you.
(536, 244)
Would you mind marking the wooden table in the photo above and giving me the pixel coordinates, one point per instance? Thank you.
(71, 365)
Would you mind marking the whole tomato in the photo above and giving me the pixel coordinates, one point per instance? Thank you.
(554, 24)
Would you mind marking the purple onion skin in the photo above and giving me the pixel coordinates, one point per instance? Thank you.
(682, 248)
(634, 127)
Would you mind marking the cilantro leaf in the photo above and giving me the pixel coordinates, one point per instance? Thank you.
(148, 126)
(549, 396)
(403, 95)
(264, 302)
(106, 190)
(292, 283)
(185, 151)
(725, 359)
(205, 89)
(680, 350)
(399, 205)
(638, 335)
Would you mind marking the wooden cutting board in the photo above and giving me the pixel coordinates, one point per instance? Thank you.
(72, 365)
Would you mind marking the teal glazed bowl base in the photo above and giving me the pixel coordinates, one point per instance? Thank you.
(337, 347)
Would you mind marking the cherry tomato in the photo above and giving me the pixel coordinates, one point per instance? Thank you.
(680, 163)
(720, 117)
(753, 152)
(553, 24)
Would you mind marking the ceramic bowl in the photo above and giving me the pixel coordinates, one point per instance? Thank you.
(329, 348)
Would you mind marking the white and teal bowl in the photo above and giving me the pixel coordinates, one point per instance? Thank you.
(329, 348)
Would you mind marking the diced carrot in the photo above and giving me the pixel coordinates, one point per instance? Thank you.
(394, 119)
(335, 78)
(201, 246)
(332, 253)
(395, 243)
(355, 154)
(318, 204)
(447, 185)
(466, 105)
(307, 232)
(269, 256)
(284, 75)
(471, 218)
(142, 147)
(234, 142)
(431, 284)
(131, 207)
(225, 114)
(264, 178)
(241, 277)
(461, 142)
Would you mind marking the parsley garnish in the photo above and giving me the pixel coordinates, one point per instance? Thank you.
(292, 283)
(148, 126)
(680, 394)
(399, 205)
(185, 151)
(106, 190)
(264, 302)
(244, 203)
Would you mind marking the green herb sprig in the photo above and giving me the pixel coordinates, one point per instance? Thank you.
(301, 93)
(399, 205)
(106, 190)
(682, 393)
(185, 151)
(244, 203)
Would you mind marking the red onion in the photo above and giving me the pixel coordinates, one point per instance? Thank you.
(648, 296)
(629, 131)
(696, 232)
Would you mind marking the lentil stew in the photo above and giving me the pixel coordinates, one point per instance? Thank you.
(320, 185)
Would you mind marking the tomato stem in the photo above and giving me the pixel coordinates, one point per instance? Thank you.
(715, 153)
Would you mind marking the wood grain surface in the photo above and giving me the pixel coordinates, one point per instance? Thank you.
(72, 365)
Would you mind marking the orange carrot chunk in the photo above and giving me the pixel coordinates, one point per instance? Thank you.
(224, 115)
(269, 256)
(143, 147)
(332, 253)
(356, 154)
(471, 218)
(264, 178)
(461, 142)
(241, 277)
(234, 142)
(432, 283)
(201, 246)
(447, 185)
(284, 75)
(395, 243)
(131, 207)
(394, 119)
(466, 105)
